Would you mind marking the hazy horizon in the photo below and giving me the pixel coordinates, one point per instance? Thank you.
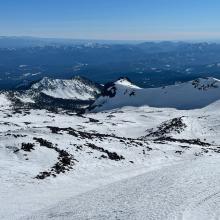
(48, 38)
(147, 20)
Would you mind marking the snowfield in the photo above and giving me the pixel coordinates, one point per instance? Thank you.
(132, 162)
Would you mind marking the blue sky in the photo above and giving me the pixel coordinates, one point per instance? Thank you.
(112, 19)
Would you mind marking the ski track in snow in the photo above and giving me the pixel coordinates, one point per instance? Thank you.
(187, 191)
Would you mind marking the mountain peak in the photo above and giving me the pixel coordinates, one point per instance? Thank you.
(124, 81)
(77, 88)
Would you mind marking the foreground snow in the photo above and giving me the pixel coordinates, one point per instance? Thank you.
(160, 163)
(188, 190)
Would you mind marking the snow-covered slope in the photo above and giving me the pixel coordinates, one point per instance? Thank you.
(190, 95)
(47, 158)
(77, 88)
(185, 191)
(128, 163)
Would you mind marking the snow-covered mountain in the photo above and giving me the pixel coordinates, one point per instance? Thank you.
(75, 94)
(77, 88)
(190, 95)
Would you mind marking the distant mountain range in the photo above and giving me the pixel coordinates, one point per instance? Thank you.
(148, 64)
(26, 41)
